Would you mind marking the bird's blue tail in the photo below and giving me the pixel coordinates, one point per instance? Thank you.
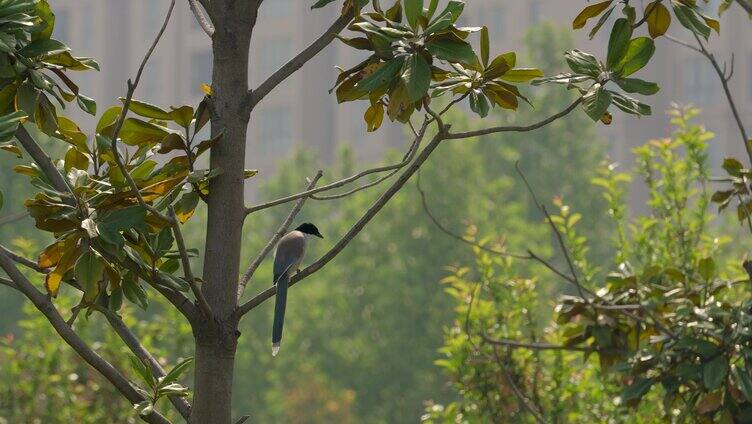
(279, 312)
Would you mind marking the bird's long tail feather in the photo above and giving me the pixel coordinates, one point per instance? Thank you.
(279, 312)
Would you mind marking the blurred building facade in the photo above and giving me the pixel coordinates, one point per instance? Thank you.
(117, 33)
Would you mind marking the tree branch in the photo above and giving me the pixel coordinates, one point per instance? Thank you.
(121, 119)
(44, 162)
(298, 61)
(535, 126)
(336, 184)
(28, 263)
(200, 299)
(517, 392)
(200, 18)
(138, 349)
(9, 219)
(45, 306)
(275, 238)
(746, 6)
(388, 194)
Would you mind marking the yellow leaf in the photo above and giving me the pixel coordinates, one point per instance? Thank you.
(75, 159)
(52, 282)
(374, 116)
(590, 12)
(206, 88)
(51, 255)
(250, 173)
(658, 18)
(712, 23)
(161, 188)
(25, 170)
(607, 118)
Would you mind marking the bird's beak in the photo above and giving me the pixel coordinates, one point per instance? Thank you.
(319, 235)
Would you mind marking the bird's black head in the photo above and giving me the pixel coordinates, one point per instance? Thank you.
(309, 228)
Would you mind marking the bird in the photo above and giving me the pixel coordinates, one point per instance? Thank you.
(288, 256)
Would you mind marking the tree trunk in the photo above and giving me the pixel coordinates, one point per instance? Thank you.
(216, 341)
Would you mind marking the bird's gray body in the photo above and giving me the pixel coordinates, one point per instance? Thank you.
(290, 252)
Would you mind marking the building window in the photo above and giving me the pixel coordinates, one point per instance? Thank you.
(700, 82)
(275, 131)
(276, 9)
(201, 68)
(275, 52)
(535, 12)
(62, 26)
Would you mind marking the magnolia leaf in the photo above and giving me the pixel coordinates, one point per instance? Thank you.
(658, 18)
(88, 271)
(590, 12)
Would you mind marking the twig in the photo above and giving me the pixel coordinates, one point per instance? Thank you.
(746, 6)
(517, 392)
(275, 238)
(202, 303)
(200, 18)
(44, 162)
(512, 128)
(9, 219)
(298, 61)
(535, 345)
(383, 200)
(121, 119)
(138, 349)
(407, 158)
(45, 306)
(335, 184)
(8, 283)
(28, 263)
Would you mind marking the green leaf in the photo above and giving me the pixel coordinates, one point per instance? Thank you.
(134, 292)
(629, 105)
(186, 206)
(416, 76)
(148, 110)
(176, 372)
(383, 76)
(707, 268)
(321, 3)
(732, 166)
(182, 115)
(600, 22)
(120, 220)
(689, 19)
(413, 10)
(142, 371)
(484, 45)
(479, 104)
(452, 50)
(86, 104)
(618, 42)
(590, 12)
(582, 63)
(714, 372)
(635, 85)
(9, 125)
(522, 74)
(638, 54)
(43, 47)
(744, 380)
(108, 118)
(639, 388)
(88, 271)
(596, 101)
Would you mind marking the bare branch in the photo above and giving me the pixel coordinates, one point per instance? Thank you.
(138, 349)
(335, 184)
(298, 61)
(724, 82)
(275, 238)
(517, 392)
(44, 162)
(9, 283)
(407, 158)
(745, 5)
(121, 119)
(535, 126)
(9, 219)
(45, 306)
(200, 18)
(202, 303)
(386, 196)
(534, 345)
(28, 263)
